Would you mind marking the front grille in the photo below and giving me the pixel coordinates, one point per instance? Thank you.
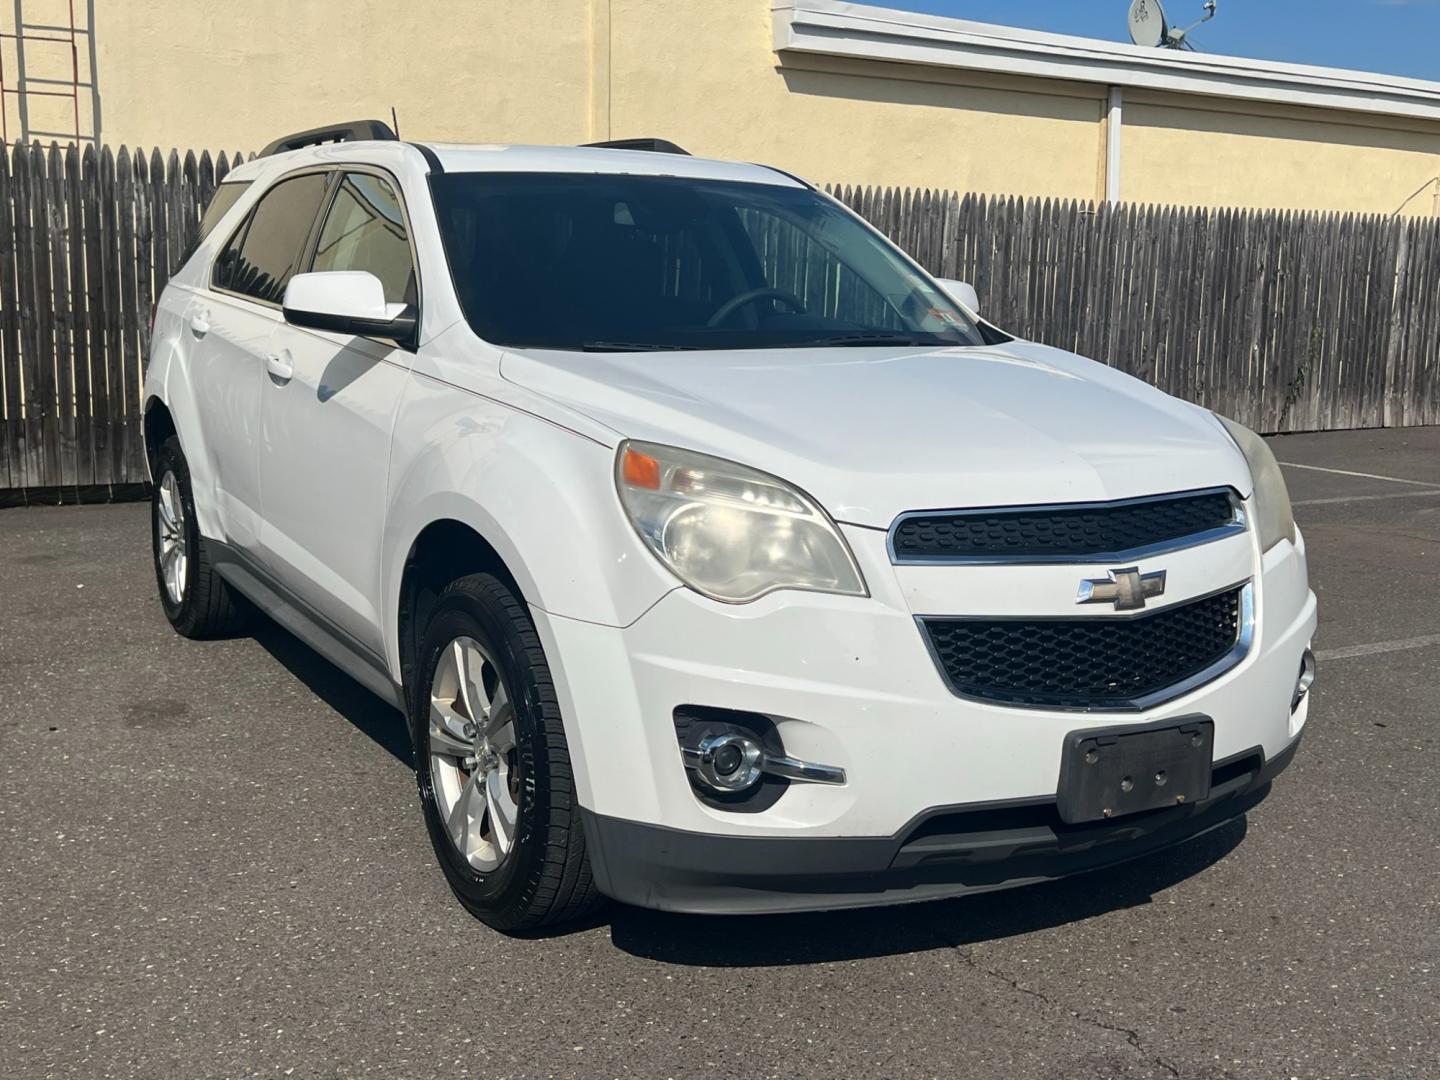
(1058, 533)
(1092, 662)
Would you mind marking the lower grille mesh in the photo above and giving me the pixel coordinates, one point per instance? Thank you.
(1085, 662)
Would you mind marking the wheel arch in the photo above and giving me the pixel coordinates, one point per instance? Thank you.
(474, 484)
(157, 426)
(445, 549)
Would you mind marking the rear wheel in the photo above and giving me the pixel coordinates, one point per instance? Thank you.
(196, 599)
(493, 766)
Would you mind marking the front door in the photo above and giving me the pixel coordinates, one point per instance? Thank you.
(329, 405)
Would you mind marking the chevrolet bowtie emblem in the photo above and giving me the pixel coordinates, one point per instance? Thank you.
(1127, 589)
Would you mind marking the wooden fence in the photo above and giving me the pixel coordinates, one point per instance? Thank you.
(87, 241)
(1285, 321)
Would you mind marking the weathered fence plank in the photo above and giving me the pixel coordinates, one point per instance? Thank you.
(26, 248)
(96, 367)
(79, 312)
(131, 460)
(11, 441)
(57, 225)
(114, 302)
(45, 400)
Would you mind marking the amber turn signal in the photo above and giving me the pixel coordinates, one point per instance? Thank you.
(641, 470)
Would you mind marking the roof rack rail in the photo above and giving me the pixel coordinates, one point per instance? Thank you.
(655, 146)
(775, 168)
(350, 131)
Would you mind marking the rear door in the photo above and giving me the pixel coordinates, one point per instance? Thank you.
(230, 326)
(329, 409)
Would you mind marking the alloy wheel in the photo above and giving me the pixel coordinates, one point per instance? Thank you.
(473, 761)
(171, 547)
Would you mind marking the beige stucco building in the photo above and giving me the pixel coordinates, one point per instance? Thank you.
(836, 92)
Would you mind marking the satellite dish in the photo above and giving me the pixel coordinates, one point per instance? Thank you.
(1150, 28)
(1147, 23)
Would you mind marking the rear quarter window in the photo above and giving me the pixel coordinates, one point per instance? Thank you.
(224, 197)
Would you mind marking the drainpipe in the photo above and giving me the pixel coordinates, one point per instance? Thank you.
(1112, 147)
(599, 126)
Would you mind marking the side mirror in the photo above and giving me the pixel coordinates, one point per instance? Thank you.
(963, 293)
(346, 302)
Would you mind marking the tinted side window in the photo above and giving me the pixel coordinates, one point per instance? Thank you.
(223, 272)
(224, 197)
(365, 230)
(260, 258)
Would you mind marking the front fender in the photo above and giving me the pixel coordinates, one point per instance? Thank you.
(541, 495)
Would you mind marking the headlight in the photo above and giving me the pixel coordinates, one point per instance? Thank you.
(1273, 519)
(728, 531)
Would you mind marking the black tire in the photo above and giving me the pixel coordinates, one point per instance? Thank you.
(207, 608)
(545, 879)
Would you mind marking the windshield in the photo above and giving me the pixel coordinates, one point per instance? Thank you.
(630, 263)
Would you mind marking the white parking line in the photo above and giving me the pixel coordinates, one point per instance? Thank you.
(1365, 475)
(1368, 498)
(1378, 647)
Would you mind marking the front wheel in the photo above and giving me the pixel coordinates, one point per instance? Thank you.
(493, 766)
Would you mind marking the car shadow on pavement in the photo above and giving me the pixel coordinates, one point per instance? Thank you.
(382, 724)
(826, 937)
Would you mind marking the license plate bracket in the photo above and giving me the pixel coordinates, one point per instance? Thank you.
(1106, 774)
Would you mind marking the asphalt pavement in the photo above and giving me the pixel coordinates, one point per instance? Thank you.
(212, 864)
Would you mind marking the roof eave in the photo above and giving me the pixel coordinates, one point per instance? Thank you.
(860, 31)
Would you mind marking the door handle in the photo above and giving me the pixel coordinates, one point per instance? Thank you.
(280, 366)
(200, 323)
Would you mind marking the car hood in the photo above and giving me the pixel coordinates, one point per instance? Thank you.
(873, 432)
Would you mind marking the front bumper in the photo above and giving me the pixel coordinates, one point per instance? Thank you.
(948, 852)
(849, 682)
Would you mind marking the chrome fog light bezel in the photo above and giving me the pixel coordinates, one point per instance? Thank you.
(704, 760)
(1305, 680)
(755, 763)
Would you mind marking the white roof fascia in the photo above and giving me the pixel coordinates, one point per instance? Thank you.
(861, 31)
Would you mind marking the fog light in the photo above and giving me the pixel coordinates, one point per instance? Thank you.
(727, 759)
(728, 762)
(1305, 681)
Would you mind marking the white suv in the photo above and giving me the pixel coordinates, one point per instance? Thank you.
(721, 559)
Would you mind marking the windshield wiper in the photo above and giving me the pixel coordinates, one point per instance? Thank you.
(632, 346)
(878, 338)
(854, 338)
